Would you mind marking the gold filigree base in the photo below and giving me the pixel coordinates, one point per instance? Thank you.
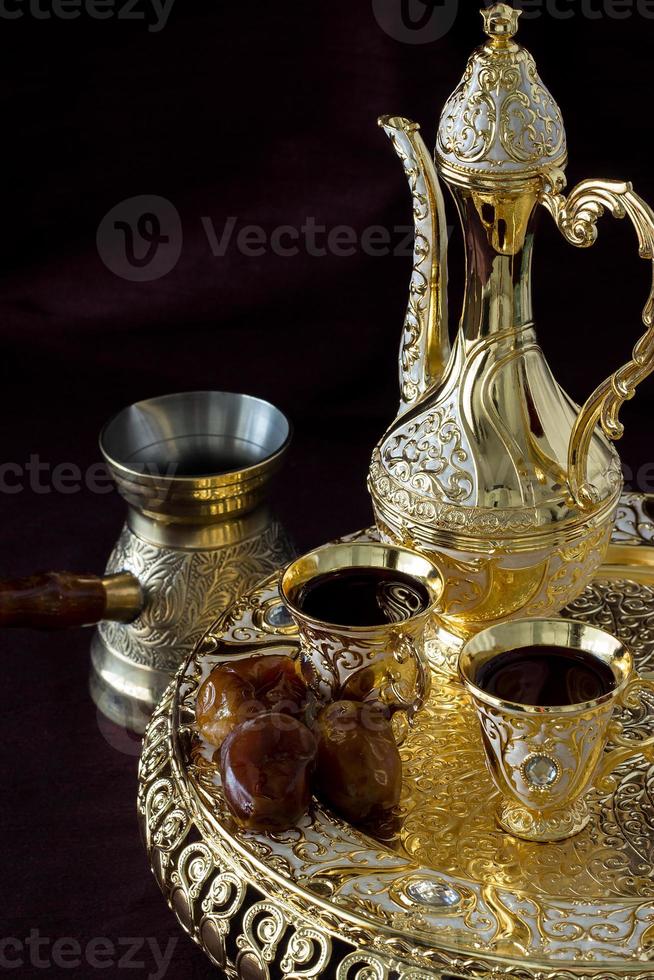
(543, 828)
(496, 578)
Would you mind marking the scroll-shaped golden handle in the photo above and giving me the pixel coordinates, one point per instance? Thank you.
(626, 748)
(410, 701)
(576, 216)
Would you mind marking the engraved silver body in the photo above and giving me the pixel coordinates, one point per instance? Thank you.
(194, 540)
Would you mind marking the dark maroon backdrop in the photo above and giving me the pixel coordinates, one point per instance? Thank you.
(266, 113)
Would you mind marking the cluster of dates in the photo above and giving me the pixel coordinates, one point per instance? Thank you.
(275, 746)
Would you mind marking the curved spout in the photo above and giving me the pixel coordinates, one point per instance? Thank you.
(425, 347)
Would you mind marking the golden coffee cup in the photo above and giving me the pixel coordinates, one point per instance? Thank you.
(384, 662)
(544, 760)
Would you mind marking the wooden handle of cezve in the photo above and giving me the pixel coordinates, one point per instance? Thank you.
(58, 600)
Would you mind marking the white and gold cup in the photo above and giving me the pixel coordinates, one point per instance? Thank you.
(384, 662)
(545, 759)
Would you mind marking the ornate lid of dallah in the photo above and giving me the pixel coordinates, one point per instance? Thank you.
(501, 119)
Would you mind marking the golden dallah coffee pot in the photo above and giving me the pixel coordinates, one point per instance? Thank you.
(490, 467)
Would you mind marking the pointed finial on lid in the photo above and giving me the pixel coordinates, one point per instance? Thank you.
(500, 122)
(500, 22)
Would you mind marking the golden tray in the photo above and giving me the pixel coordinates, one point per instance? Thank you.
(442, 892)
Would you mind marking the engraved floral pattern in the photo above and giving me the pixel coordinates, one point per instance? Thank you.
(429, 456)
(633, 522)
(414, 509)
(501, 118)
(186, 590)
(481, 587)
(623, 608)
(425, 316)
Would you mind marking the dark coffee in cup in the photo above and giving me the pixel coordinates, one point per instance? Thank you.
(544, 676)
(362, 597)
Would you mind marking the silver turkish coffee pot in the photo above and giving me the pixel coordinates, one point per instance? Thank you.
(195, 470)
